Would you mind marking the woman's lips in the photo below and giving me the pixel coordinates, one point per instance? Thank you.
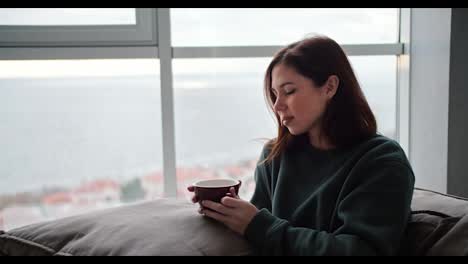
(287, 120)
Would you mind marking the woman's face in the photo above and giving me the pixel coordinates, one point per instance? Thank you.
(300, 104)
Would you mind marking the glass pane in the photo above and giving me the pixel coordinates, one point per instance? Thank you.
(220, 118)
(227, 27)
(67, 16)
(220, 113)
(77, 136)
(377, 76)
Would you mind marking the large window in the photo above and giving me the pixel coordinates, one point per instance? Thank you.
(220, 111)
(378, 78)
(76, 136)
(221, 114)
(88, 95)
(221, 119)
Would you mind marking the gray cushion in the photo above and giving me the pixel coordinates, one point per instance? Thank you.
(438, 225)
(160, 227)
(438, 202)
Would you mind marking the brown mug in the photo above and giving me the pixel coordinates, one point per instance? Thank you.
(215, 189)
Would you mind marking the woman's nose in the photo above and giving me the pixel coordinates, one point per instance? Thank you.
(279, 105)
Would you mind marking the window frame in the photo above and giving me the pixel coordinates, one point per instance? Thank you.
(142, 34)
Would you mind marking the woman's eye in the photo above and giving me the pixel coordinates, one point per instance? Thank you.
(290, 92)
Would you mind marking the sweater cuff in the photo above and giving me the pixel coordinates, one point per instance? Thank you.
(257, 230)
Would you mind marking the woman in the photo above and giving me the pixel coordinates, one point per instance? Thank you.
(328, 184)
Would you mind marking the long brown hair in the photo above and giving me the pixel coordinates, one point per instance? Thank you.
(348, 118)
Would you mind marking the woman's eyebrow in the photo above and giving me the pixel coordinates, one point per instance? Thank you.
(282, 85)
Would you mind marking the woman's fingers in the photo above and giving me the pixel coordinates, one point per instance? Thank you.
(191, 188)
(215, 215)
(220, 208)
(233, 192)
(231, 202)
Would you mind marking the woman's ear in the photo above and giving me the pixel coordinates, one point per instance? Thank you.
(331, 86)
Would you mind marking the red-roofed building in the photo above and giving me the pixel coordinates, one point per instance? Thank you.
(234, 171)
(154, 177)
(97, 191)
(187, 176)
(57, 198)
(153, 183)
(97, 186)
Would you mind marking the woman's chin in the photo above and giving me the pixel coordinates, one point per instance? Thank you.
(294, 132)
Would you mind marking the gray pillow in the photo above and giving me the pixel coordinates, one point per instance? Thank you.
(438, 225)
(433, 233)
(438, 202)
(160, 227)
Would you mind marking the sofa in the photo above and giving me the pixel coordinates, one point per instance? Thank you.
(438, 226)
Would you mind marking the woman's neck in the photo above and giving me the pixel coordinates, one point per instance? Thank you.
(319, 141)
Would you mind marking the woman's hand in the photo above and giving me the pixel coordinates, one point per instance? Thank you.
(191, 188)
(235, 213)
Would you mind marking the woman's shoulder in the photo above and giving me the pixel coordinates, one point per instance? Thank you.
(267, 147)
(379, 139)
(382, 154)
(294, 144)
(380, 148)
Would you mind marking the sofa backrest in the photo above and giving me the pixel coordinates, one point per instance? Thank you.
(438, 225)
(434, 201)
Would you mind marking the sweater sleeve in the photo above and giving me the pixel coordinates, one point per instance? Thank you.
(261, 197)
(372, 217)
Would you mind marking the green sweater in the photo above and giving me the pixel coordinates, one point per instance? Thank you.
(353, 201)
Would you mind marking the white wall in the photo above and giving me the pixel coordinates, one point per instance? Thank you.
(429, 96)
